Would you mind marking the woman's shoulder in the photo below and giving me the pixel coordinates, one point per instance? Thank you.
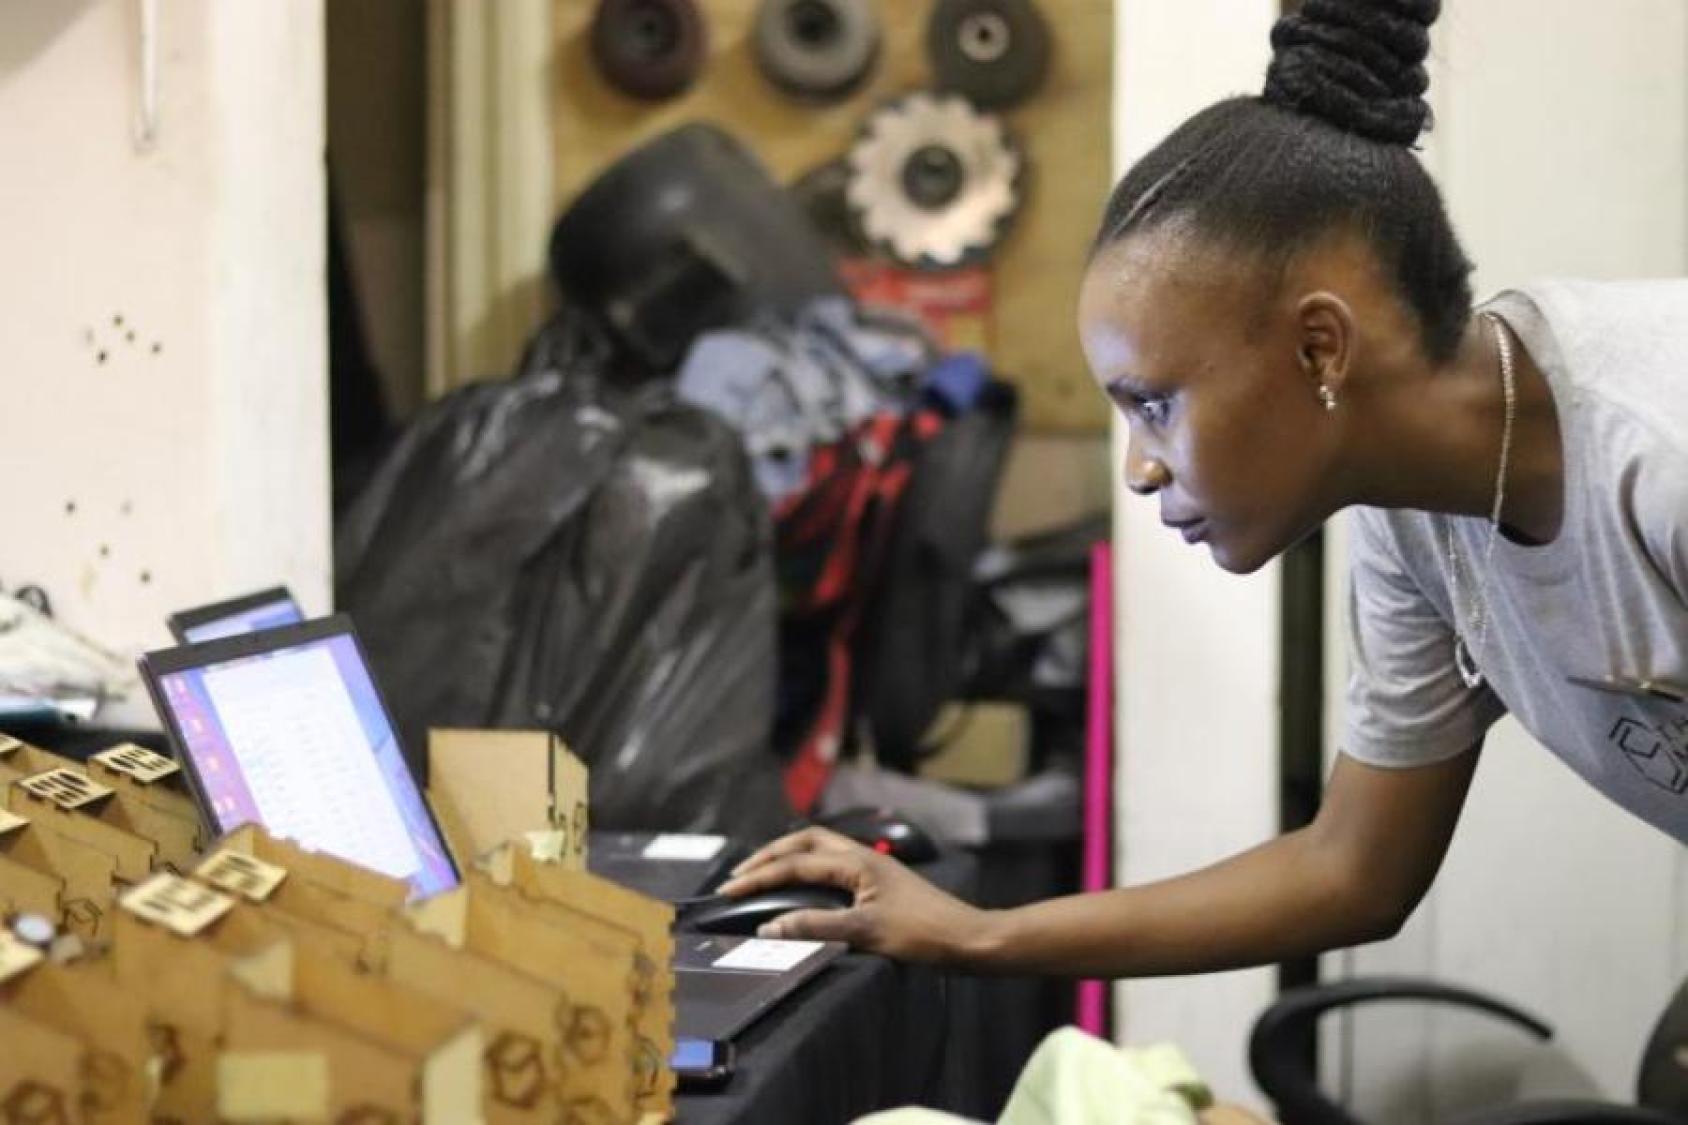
(1621, 298)
(1609, 347)
(1623, 351)
(1601, 316)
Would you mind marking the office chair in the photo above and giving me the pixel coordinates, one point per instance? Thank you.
(1280, 1062)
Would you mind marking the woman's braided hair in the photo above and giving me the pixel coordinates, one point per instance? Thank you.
(1326, 145)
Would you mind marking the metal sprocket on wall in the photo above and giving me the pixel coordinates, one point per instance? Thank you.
(934, 181)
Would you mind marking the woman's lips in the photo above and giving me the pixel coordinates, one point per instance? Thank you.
(1192, 529)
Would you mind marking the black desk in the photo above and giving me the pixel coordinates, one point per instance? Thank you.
(867, 1034)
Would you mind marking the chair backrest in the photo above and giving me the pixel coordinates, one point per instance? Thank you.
(1663, 1082)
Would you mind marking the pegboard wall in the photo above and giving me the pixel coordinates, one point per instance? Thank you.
(1064, 131)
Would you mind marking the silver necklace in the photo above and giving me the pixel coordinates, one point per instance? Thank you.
(1479, 615)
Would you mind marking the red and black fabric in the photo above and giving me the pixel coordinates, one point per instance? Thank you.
(831, 539)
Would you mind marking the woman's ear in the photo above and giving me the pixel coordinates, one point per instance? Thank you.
(1324, 327)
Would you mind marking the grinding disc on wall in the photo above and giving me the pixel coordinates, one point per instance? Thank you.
(819, 50)
(650, 49)
(933, 181)
(994, 53)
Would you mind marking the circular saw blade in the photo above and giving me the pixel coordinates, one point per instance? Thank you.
(934, 181)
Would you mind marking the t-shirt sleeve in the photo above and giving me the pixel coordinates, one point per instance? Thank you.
(1406, 702)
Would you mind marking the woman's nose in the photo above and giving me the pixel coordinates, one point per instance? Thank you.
(1144, 476)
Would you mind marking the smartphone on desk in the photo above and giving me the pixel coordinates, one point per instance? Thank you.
(702, 1064)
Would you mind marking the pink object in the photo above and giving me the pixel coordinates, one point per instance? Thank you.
(1093, 1007)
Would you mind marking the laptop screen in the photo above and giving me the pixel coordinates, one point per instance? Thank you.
(268, 609)
(296, 738)
(268, 616)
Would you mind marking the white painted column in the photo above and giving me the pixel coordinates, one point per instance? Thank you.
(1196, 648)
(491, 203)
(163, 383)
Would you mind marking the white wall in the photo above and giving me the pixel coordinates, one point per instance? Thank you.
(1197, 649)
(1562, 148)
(163, 394)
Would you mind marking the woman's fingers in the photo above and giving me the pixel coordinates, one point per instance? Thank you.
(838, 869)
(808, 840)
(816, 925)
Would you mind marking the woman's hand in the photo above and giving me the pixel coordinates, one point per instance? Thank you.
(896, 912)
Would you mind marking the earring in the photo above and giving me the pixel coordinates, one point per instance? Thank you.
(1327, 397)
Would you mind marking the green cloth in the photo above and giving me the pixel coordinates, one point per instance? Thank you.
(1076, 1079)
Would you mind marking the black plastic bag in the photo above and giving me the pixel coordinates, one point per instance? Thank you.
(685, 233)
(564, 551)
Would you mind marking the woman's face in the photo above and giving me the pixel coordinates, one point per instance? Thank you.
(1218, 379)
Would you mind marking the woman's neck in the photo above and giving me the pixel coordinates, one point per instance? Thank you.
(1434, 440)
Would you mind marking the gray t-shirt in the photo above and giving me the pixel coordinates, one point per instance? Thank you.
(1608, 597)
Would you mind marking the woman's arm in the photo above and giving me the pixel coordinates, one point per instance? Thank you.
(1354, 875)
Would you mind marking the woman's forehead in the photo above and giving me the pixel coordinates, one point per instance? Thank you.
(1166, 271)
(1143, 298)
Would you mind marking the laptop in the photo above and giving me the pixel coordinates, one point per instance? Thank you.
(721, 984)
(286, 728)
(266, 609)
(724, 984)
(670, 866)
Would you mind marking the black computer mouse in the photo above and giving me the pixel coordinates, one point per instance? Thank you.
(745, 915)
(885, 831)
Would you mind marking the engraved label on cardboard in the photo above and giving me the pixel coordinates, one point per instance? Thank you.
(175, 903)
(65, 788)
(240, 874)
(137, 762)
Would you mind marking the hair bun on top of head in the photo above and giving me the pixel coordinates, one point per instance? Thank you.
(1357, 64)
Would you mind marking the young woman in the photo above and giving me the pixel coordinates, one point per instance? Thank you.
(1278, 305)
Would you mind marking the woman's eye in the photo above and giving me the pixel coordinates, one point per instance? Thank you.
(1153, 409)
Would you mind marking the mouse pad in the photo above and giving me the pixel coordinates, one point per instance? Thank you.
(724, 984)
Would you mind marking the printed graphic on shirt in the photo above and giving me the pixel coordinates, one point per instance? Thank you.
(1659, 751)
